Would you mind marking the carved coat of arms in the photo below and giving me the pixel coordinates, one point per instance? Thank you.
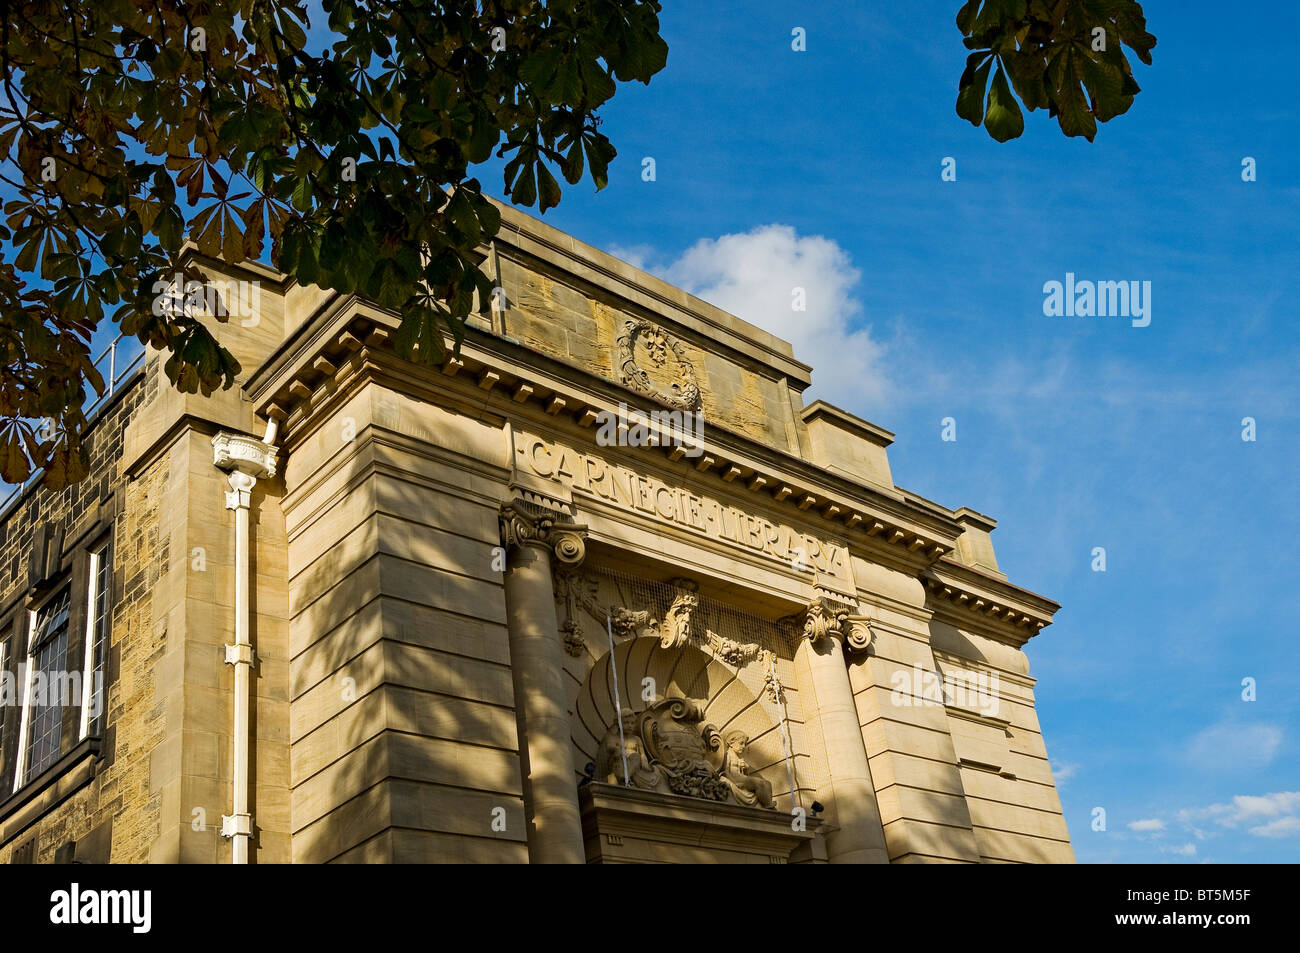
(671, 749)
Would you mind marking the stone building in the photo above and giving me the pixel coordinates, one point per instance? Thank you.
(600, 588)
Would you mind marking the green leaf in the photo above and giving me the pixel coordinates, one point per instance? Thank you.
(1073, 116)
(548, 188)
(525, 188)
(1003, 119)
(966, 16)
(970, 98)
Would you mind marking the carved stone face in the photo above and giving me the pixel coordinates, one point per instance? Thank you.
(628, 717)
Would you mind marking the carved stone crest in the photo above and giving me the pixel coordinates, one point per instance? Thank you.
(661, 348)
(671, 749)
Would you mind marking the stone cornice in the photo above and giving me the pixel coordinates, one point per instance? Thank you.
(863, 428)
(349, 341)
(972, 599)
(351, 337)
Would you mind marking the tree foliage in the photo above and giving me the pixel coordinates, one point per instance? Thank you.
(1065, 55)
(130, 126)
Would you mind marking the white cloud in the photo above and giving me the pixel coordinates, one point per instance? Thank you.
(1062, 771)
(1282, 827)
(755, 274)
(1187, 850)
(1231, 745)
(1279, 812)
(638, 256)
(1254, 807)
(1147, 825)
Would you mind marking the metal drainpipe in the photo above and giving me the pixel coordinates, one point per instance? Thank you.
(245, 460)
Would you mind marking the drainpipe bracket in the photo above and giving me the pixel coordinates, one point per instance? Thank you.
(236, 825)
(239, 654)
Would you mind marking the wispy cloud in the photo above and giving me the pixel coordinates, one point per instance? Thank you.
(1273, 815)
(1148, 825)
(1282, 827)
(1234, 745)
(1063, 771)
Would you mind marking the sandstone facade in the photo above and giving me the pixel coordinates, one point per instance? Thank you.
(600, 588)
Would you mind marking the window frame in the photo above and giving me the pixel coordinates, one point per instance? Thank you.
(22, 753)
(99, 586)
(87, 574)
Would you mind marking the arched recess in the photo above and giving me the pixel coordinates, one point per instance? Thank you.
(729, 661)
(649, 672)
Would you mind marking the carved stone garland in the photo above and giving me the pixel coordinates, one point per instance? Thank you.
(578, 590)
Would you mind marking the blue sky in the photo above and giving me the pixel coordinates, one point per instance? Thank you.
(926, 301)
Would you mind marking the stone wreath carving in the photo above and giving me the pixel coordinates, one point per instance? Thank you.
(671, 749)
(684, 395)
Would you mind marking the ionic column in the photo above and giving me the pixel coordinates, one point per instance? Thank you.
(532, 537)
(828, 703)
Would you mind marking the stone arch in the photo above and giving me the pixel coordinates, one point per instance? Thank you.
(725, 692)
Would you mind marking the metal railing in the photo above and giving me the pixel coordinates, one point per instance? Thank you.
(130, 360)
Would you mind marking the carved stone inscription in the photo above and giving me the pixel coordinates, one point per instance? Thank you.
(589, 474)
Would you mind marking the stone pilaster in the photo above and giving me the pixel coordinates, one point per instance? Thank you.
(534, 537)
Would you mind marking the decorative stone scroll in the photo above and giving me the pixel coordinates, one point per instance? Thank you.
(685, 394)
(825, 619)
(523, 523)
(670, 748)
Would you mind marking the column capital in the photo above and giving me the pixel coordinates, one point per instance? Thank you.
(828, 619)
(523, 523)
